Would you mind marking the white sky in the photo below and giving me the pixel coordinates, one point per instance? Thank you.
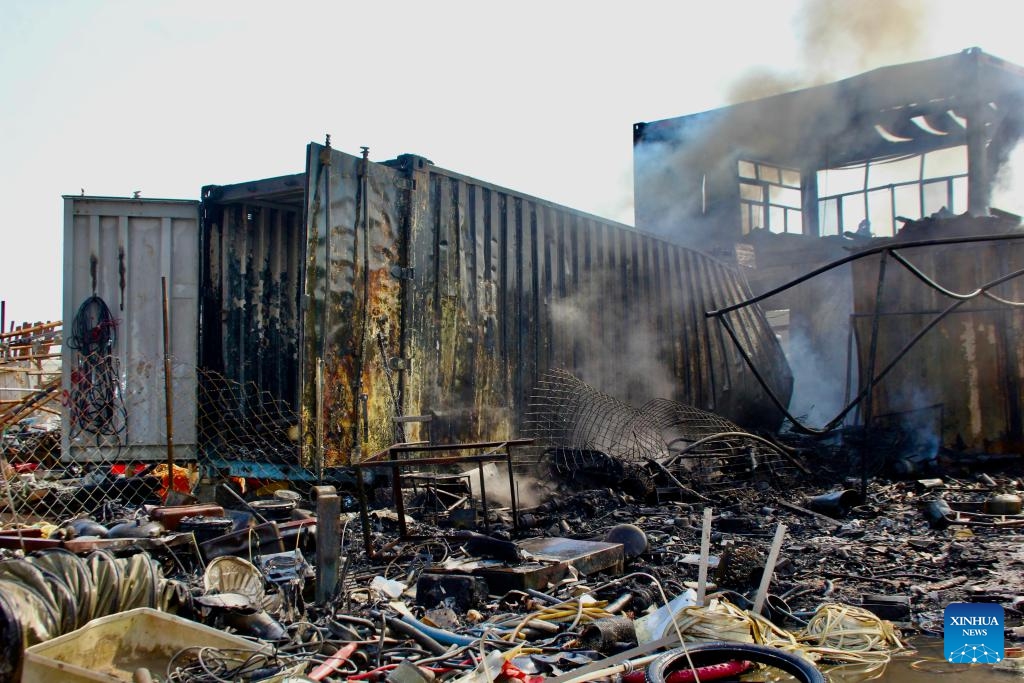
(165, 97)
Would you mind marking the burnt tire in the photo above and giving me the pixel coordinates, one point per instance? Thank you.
(705, 654)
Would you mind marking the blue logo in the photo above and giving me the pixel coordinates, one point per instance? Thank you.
(973, 633)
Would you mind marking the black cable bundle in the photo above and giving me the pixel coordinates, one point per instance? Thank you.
(93, 329)
(96, 402)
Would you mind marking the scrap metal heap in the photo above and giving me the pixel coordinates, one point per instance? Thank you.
(590, 551)
(274, 583)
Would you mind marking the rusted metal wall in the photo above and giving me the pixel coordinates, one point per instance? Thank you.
(470, 291)
(353, 312)
(253, 239)
(971, 363)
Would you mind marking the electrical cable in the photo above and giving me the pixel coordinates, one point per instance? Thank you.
(96, 402)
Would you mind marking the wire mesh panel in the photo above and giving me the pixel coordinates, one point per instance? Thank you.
(116, 425)
(44, 481)
(241, 423)
(567, 412)
(586, 430)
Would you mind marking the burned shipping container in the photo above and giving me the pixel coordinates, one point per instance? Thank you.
(434, 294)
(368, 303)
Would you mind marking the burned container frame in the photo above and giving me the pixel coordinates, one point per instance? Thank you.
(690, 174)
(361, 292)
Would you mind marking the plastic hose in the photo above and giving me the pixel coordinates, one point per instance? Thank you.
(706, 654)
(438, 634)
(333, 662)
(411, 631)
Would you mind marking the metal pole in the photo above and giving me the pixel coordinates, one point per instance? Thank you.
(319, 462)
(705, 551)
(769, 569)
(870, 389)
(512, 488)
(328, 547)
(483, 494)
(168, 392)
(396, 491)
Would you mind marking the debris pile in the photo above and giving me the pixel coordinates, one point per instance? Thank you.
(588, 584)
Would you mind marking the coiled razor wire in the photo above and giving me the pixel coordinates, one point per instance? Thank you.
(692, 445)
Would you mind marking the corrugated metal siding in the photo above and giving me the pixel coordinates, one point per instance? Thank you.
(159, 238)
(972, 363)
(505, 286)
(353, 313)
(251, 279)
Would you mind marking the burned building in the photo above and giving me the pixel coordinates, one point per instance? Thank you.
(900, 141)
(786, 184)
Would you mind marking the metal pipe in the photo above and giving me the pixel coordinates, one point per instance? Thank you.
(362, 189)
(168, 391)
(483, 494)
(853, 257)
(872, 354)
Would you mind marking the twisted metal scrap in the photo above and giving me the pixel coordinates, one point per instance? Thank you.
(688, 443)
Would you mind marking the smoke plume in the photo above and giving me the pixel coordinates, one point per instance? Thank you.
(630, 368)
(838, 39)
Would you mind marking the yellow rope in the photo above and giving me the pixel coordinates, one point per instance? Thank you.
(843, 636)
(572, 611)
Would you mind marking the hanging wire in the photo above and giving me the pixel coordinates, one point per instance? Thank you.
(96, 402)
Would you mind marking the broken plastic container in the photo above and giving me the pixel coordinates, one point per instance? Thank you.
(656, 624)
(110, 649)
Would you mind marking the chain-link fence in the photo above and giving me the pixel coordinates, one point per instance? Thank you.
(112, 449)
(87, 434)
(30, 393)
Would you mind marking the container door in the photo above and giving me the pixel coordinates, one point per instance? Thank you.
(116, 252)
(354, 270)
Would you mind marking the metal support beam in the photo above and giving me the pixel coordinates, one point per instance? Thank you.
(328, 546)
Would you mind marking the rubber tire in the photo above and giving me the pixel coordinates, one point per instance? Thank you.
(703, 654)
